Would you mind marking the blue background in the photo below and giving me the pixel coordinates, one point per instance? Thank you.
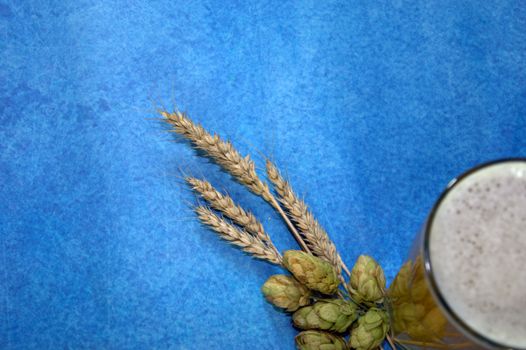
(370, 108)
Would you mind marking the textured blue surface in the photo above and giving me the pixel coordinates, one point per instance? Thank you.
(369, 108)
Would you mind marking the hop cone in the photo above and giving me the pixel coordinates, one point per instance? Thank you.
(406, 315)
(370, 331)
(316, 340)
(399, 291)
(313, 272)
(419, 291)
(418, 322)
(333, 315)
(367, 280)
(414, 310)
(286, 292)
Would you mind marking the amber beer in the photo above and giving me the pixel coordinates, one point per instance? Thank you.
(464, 286)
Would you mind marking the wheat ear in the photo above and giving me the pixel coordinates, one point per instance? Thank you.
(247, 242)
(226, 205)
(314, 235)
(223, 153)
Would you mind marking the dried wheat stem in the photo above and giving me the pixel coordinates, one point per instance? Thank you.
(344, 267)
(390, 341)
(247, 242)
(225, 155)
(314, 235)
(291, 227)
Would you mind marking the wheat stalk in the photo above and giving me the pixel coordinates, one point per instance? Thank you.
(225, 155)
(247, 242)
(313, 234)
(226, 205)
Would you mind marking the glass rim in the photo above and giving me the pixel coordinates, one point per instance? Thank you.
(474, 335)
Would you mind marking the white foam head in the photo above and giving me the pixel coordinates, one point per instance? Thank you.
(477, 251)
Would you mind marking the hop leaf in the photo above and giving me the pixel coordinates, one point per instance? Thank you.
(316, 340)
(370, 330)
(313, 272)
(335, 315)
(286, 292)
(367, 280)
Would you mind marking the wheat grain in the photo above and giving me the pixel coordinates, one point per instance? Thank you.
(313, 234)
(247, 242)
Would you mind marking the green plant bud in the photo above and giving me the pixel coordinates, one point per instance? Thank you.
(398, 324)
(399, 290)
(370, 330)
(411, 311)
(419, 290)
(317, 340)
(286, 292)
(435, 322)
(333, 315)
(418, 331)
(313, 272)
(418, 321)
(367, 280)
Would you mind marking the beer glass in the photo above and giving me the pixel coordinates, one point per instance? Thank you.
(464, 284)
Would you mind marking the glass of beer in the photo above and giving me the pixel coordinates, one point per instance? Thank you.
(464, 285)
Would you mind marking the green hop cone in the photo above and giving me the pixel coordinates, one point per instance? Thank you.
(367, 280)
(370, 330)
(313, 272)
(407, 314)
(316, 340)
(286, 292)
(399, 291)
(335, 315)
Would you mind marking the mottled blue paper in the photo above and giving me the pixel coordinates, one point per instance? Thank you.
(369, 107)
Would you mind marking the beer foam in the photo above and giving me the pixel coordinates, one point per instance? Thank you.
(478, 252)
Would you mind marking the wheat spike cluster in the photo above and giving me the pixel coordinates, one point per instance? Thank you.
(307, 231)
(238, 237)
(242, 169)
(245, 219)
